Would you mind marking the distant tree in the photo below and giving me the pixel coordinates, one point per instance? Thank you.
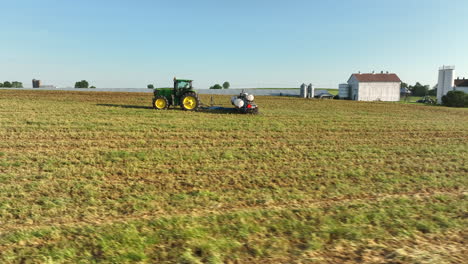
(92, 87)
(418, 89)
(404, 85)
(82, 84)
(216, 86)
(16, 85)
(226, 85)
(1, 84)
(150, 86)
(455, 99)
(433, 91)
(7, 84)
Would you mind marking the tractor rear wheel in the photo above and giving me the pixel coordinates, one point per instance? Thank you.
(160, 103)
(190, 101)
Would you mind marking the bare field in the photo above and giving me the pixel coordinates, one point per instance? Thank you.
(102, 177)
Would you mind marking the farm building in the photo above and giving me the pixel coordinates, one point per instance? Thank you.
(372, 87)
(461, 85)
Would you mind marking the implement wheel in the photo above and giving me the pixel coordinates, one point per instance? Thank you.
(160, 103)
(190, 101)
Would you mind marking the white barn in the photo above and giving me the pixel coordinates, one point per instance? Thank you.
(374, 87)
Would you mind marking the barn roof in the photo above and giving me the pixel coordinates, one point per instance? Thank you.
(376, 77)
(461, 82)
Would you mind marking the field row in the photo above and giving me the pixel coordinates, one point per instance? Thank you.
(103, 177)
(255, 235)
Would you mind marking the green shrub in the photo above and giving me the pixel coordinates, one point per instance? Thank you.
(216, 86)
(455, 99)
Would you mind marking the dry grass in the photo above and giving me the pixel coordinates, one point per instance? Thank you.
(74, 164)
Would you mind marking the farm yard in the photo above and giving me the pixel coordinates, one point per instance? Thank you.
(102, 177)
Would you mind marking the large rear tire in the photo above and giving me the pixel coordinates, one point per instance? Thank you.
(160, 103)
(190, 101)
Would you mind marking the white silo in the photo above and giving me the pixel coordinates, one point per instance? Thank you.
(446, 81)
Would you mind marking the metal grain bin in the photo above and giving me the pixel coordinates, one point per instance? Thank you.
(310, 91)
(344, 91)
(303, 93)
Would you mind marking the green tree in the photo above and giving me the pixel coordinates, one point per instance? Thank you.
(82, 84)
(404, 85)
(17, 84)
(1, 84)
(150, 86)
(216, 86)
(418, 89)
(433, 91)
(455, 99)
(7, 84)
(226, 85)
(92, 87)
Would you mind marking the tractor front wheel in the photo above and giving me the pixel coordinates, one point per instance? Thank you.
(190, 102)
(160, 103)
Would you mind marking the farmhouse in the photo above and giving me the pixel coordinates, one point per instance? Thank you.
(461, 85)
(372, 87)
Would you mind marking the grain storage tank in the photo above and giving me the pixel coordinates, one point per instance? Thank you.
(310, 91)
(344, 91)
(36, 83)
(303, 93)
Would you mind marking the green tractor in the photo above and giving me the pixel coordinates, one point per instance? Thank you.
(182, 94)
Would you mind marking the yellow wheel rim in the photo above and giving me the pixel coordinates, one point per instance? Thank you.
(190, 102)
(160, 103)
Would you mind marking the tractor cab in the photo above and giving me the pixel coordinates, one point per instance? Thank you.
(182, 86)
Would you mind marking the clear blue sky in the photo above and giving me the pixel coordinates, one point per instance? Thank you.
(268, 43)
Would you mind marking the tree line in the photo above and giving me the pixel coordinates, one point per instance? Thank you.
(420, 90)
(13, 84)
(83, 84)
(226, 85)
